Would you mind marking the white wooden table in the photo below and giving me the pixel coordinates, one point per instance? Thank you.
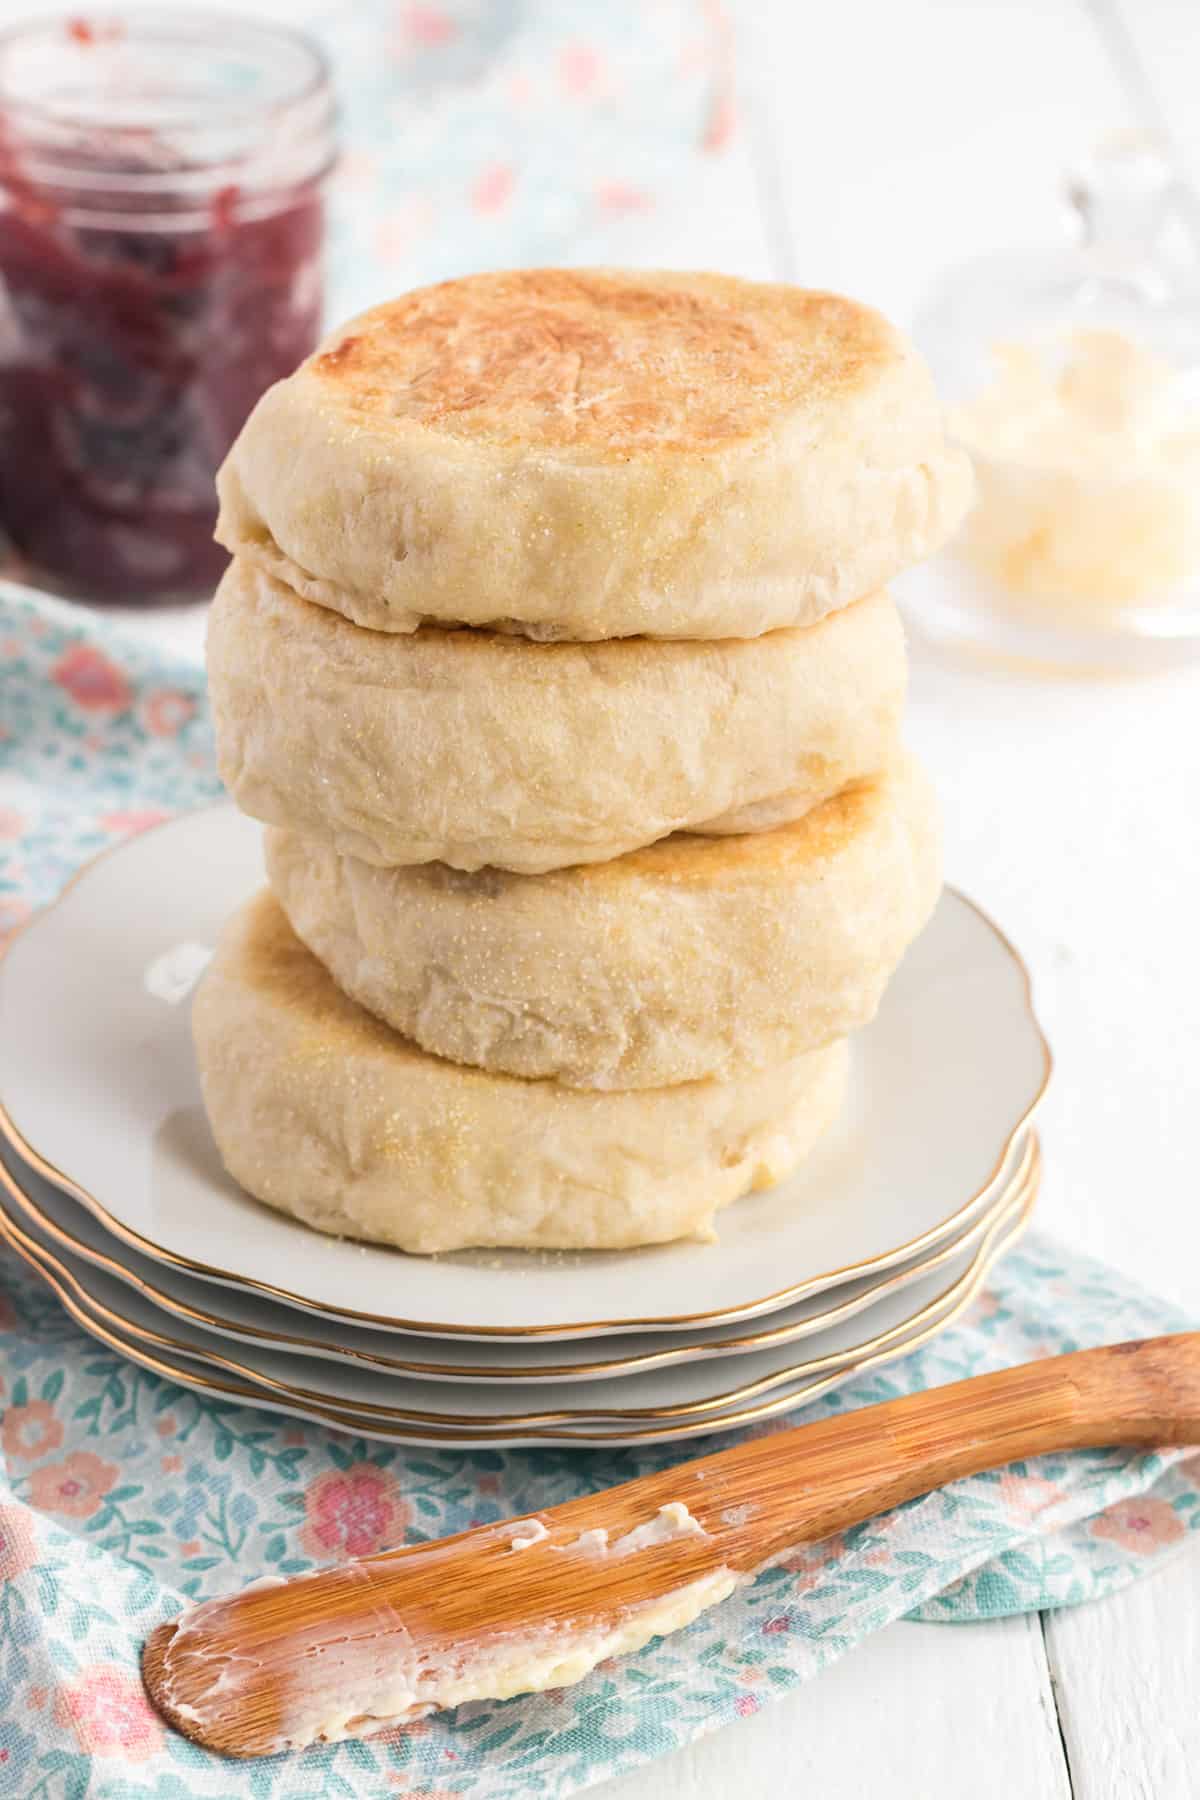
(882, 141)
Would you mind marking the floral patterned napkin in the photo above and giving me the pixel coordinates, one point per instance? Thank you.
(483, 134)
(122, 1497)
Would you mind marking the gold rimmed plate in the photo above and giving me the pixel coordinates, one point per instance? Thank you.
(219, 1382)
(666, 1396)
(248, 1317)
(98, 1092)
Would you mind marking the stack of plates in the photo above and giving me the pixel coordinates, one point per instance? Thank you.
(111, 1188)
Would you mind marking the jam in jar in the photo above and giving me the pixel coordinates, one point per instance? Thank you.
(161, 222)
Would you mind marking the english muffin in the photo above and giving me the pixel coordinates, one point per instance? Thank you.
(321, 1111)
(694, 958)
(470, 748)
(587, 454)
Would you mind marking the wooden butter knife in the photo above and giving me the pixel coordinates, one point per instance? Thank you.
(537, 1602)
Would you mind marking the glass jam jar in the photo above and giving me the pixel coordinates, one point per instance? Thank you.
(1072, 377)
(161, 225)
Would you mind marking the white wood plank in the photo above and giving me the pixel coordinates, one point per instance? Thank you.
(918, 1712)
(1124, 1672)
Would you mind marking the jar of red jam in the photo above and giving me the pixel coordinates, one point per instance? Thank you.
(161, 224)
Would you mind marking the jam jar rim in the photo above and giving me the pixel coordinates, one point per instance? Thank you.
(312, 93)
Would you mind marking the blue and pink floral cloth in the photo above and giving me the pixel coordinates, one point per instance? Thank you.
(484, 134)
(123, 1497)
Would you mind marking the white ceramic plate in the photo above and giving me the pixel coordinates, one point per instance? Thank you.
(99, 1092)
(248, 1317)
(192, 1372)
(657, 1396)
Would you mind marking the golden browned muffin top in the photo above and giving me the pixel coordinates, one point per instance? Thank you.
(614, 362)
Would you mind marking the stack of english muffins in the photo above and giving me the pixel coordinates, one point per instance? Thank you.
(556, 655)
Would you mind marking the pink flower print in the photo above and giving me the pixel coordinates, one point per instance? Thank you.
(109, 1714)
(623, 197)
(167, 712)
(357, 170)
(167, 1425)
(1140, 1525)
(695, 54)
(93, 680)
(810, 1563)
(579, 66)
(193, 1547)
(428, 27)
(488, 1484)
(350, 1512)
(987, 1304)
(722, 118)
(171, 1465)
(745, 1704)
(30, 1431)
(773, 1627)
(127, 823)
(12, 823)
(18, 1548)
(400, 232)
(75, 1486)
(1029, 1495)
(13, 914)
(493, 189)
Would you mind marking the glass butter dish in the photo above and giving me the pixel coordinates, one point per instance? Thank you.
(1073, 379)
